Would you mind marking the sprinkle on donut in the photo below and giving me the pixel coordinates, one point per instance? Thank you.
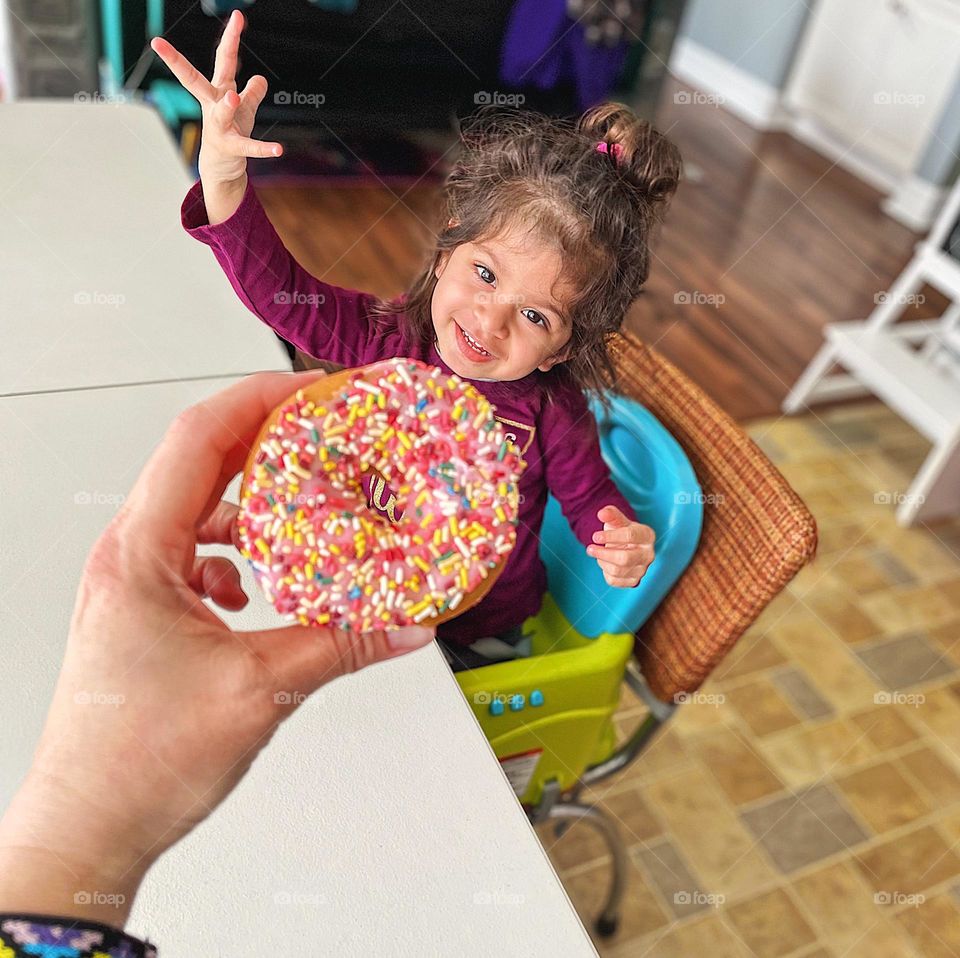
(385, 504)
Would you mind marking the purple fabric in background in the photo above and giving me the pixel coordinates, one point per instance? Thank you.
(544, 47)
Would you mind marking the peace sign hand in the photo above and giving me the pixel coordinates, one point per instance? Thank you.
(228, 117)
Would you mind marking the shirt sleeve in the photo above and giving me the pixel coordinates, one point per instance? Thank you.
(325, 321)
(575, 470)
(23, 935)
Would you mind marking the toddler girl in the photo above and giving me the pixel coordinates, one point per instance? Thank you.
(545, 246)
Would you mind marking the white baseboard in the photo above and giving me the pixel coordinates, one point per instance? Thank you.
(910, 200)
(915, 203)
(731, 87)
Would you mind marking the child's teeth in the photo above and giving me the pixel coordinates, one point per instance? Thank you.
(473, 342)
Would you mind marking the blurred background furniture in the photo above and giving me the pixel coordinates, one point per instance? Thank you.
(326, 62)
(914, 367)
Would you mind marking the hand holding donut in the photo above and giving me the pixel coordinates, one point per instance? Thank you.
(623, 550)
(112, 787)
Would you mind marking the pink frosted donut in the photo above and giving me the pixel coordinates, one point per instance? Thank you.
(380, 497)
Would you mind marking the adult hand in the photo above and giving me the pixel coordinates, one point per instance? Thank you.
(160, 708)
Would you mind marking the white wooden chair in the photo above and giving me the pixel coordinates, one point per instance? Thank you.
(914, 367)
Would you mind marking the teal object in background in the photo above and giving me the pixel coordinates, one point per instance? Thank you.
(652, 471)
(336, 6)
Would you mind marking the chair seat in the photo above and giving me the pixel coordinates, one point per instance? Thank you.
(652, 471)
(550, 716)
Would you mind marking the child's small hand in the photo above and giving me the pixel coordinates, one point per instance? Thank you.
(228, 117)
(624, 549)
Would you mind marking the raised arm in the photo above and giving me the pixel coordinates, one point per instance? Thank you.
(222, 211)
(228, 119)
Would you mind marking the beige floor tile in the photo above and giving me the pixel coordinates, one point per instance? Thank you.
(578, 846)
(950, 589)
(704, 711)
(810, 753)
(841, 908)
(946, 638)
(887, 725)
(814, 471)
(920, 552)
(908, 608)
(830, 664)
(882, 797)
(705, 936)
(857, 572)
(705, 828)
(934, 925)
(879, 940)
(750, 654)
(940, 713)
(739, 770)
(839, 535)
(665, 755)
(849, 620)
(949, 824)
(762, 707)
(936, 779)
(770, 924)
(640, 914)
(908, 864)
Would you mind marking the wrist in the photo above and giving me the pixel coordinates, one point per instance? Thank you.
(222, 197)
(60, 854)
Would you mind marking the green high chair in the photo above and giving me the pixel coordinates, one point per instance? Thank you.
(549, 716)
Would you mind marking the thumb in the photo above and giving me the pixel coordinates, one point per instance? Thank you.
(302, 658)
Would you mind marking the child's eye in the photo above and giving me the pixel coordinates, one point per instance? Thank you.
(536, 318)
(481, 269)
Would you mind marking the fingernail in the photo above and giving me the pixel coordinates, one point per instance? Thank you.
(412, 637)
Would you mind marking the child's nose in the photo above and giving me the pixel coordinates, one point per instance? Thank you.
(494, 321)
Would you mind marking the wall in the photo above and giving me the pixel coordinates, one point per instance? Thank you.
(759, 36)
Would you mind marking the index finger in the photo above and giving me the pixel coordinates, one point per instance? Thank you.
(200, 453)
(192, 80)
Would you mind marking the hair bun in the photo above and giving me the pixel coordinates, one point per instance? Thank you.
(649, 162)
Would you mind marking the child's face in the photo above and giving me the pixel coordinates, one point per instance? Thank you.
(501, 292)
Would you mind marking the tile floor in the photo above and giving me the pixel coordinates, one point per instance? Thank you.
(811, 806)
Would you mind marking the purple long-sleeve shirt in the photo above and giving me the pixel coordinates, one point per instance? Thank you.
(558, 440)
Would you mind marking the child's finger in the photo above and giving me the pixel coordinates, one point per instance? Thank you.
(252, 97)
(191, 79)
(620, 558)
(633, 534)
(224, 111)
(244, 146)
(225, 64)
(612, 517)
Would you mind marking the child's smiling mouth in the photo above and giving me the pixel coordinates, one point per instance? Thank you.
(470, 347)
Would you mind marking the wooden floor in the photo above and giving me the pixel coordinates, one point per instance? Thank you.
(766, 241)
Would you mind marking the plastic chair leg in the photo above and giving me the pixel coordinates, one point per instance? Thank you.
(609, 919)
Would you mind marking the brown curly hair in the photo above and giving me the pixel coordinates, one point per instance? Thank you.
(596, 209)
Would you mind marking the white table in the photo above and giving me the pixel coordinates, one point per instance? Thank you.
(99, 283)
(377, 821)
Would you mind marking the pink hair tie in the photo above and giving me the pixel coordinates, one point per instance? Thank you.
(616, 149)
